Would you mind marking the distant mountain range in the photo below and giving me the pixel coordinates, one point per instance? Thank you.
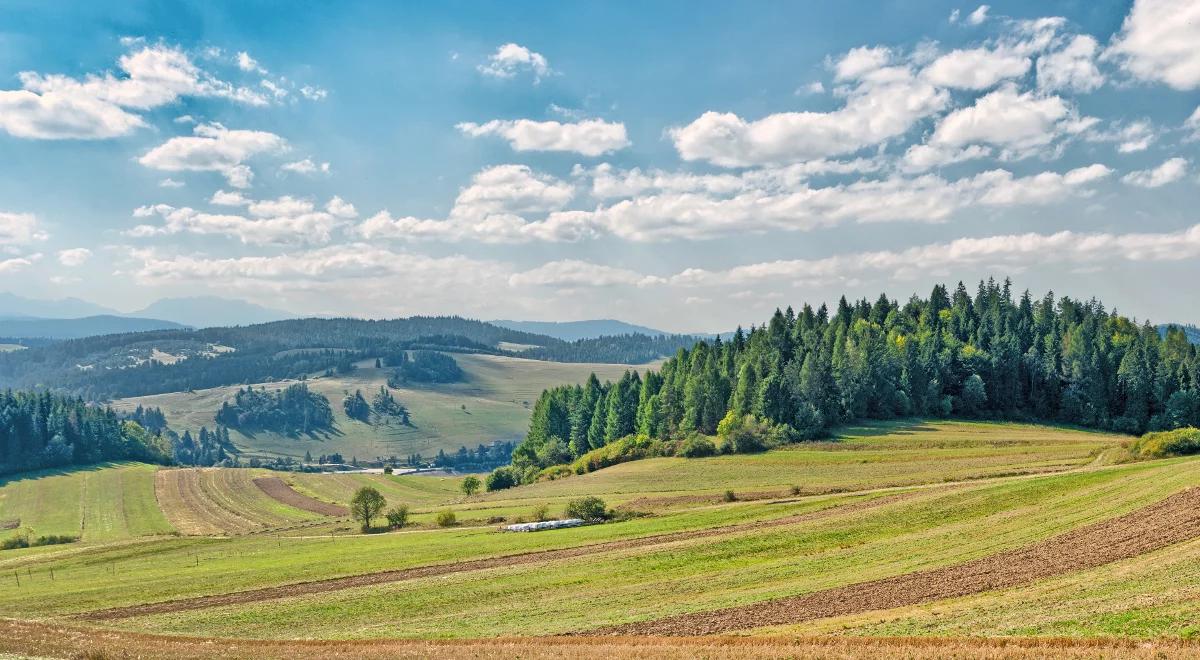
(196, 312)
(575, 330)
(88, 326)
(211, 312)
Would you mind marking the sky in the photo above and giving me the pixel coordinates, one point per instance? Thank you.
(685, 165)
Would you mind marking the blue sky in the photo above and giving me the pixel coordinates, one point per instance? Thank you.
(686, 165)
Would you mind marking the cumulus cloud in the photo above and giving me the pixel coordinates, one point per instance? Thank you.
(52, 106)
(20, 229)
(976, 68)
(1157, 43)
(282, 221)
(1071, 68)
(306, 166)
(590, 137)
(15, 264)
(491, 209)
(214, 148)
(1130, 137)
(1170, 171)
(511, 59)
(883, 101)
(1018, 124)
(74, 257)
(1006, 251)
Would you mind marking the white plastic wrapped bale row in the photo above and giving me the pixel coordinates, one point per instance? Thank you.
(539, 526)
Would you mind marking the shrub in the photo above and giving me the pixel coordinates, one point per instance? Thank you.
(697, 446)
(397, 516)
(501, 478)
(470, 485)
(745, 435)
(388, 470)
(590, 508)
(730, 496)
(629, 448)
(1180, 442)
(446, 519)
(541, 512)
(795, 490)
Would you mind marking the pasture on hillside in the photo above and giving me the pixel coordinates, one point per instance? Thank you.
(497, 395)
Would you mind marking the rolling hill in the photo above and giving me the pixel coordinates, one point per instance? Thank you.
(919, 528)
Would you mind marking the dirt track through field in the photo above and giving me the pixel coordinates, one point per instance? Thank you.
(1172, 520)
(399, 575)
(279, 490)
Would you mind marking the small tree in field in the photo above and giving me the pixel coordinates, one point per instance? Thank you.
(366, 505)
(471, 485)
(397, 517)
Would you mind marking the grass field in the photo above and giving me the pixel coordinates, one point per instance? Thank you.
(880, 502)
(498, 395)
(101, 503)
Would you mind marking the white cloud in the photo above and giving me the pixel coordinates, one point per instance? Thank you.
(214, 148)
(16, 264)
(1170, 171)
(170, 183)
(609, 182)
(105, 106)
(492, 210)
(1157, 42)
(283, 221)
(590, 137)
(1193, 123)
(954, 14)
(1131, 137)
(306, 166)
(883, 102)
(247, 63)
(979, 15)
(1071, 68)
(20, 229)
(74, 257)
(816, 87)
(510, 59)
(1019, 124)
(976, 68)
(313, 93)
(1005, 251)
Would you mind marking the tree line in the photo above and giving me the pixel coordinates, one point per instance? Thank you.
(42, 430)
(994, 355)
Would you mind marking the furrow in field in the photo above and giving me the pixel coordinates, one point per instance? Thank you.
(278, 490)
(384, 577)
(182, 495)
(1172, 520)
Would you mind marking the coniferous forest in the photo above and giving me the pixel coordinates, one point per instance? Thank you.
(41, 430)
(992, 355)
(293, 410)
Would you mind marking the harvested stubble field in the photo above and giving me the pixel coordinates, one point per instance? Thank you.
(212, 501)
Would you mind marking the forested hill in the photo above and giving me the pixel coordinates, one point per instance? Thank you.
(992, 355)
(133, 364)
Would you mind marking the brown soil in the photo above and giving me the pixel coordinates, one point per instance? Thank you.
(398, 575)
(1173, 520)
(280, 491)
(10, 524)
(57, 640)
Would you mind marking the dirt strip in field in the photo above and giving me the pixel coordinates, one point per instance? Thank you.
(1172, 520)
(42, 639)
(279, 490)
(399, 575)
(10, 524)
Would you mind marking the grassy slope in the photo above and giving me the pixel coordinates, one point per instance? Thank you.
(99, 503)
(939, 525)
(938, 528)
(498, 396)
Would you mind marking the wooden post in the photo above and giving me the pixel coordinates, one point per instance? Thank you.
(18, 577)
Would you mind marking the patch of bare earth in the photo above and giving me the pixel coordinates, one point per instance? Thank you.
(279, 490)
(57, 640)
(399, 575)
(1172, 520)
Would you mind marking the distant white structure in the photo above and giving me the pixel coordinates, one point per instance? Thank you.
(539, 526)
